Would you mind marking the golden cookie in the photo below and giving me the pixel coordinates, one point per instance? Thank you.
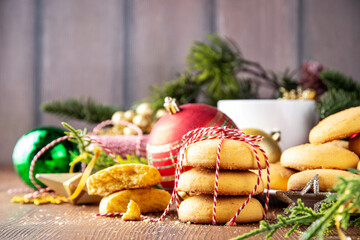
(321, 156)
(148, 199)
(124, 176)
(327, 179)
(202, 180)
(279, 176)
(358, 166)
(198, 209)
(235, 155)
(336, 126)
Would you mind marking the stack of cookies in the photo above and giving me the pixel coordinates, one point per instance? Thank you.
(235, 182)
(326, 155)
(122, 183)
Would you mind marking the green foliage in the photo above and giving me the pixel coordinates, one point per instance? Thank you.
(338, 80)
(342, 204)
(82, 109)
(213, 73)
(104, 161)
(343, 92)
(184, 89)
(285, 80)
(299, 216)
(336, 100)
(216, 65)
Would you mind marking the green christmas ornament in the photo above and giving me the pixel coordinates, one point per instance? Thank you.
(55, 160)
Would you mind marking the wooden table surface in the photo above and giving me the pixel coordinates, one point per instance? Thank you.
(67, 221)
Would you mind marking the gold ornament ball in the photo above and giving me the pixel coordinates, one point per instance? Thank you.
(270, 146)
(118, 116)
(129, 131)
(160, 113)
(129, 115)
(144, 109)
(118, 129)
(141, 121)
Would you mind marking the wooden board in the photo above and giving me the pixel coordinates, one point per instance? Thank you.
(68, 221)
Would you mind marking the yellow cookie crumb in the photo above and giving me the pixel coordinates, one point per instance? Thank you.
(132, 212)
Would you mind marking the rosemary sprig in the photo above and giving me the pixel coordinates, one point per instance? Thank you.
(299, 215)
(104, 161)
(339, 206)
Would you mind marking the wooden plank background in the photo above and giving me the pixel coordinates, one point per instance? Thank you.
(114, 50)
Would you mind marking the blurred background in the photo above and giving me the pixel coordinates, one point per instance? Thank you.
(115, 50)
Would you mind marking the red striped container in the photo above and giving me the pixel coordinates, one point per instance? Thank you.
(165, 142)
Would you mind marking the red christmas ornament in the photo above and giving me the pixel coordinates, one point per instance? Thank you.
(165, 138)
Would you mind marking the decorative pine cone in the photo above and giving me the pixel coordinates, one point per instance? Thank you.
(310, 77)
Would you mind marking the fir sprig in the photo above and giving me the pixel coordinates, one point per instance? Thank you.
(83, 109)
(184, 90)
(343, 92)
(336, 100)
(339, 206)
(299, 216)
(338, 80)
(216, 70)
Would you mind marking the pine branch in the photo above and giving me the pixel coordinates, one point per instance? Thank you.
(183, 89)
(300, 215)
(338, 80)
(343, 93)
(212, 74)
(334, 101)
(343, 203)
(82, 109)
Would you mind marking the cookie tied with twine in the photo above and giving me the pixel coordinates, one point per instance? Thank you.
(202, 134)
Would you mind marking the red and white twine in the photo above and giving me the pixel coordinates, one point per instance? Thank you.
(56, 141)
(199, 134)
(222, 133)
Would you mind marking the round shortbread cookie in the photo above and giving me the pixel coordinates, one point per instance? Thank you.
(327, 179)
(358, 166)
(279, 176)
(354, 145)
(235, 155)
(336, 126)
(202, 180)
(123, 176)
(321, 156)
(198, 209)
(148, 200)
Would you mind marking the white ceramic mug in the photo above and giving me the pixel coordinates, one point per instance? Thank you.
(294, 118)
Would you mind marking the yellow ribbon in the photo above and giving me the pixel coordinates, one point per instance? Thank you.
(86, 174)
(338, 219)
(76, 160)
